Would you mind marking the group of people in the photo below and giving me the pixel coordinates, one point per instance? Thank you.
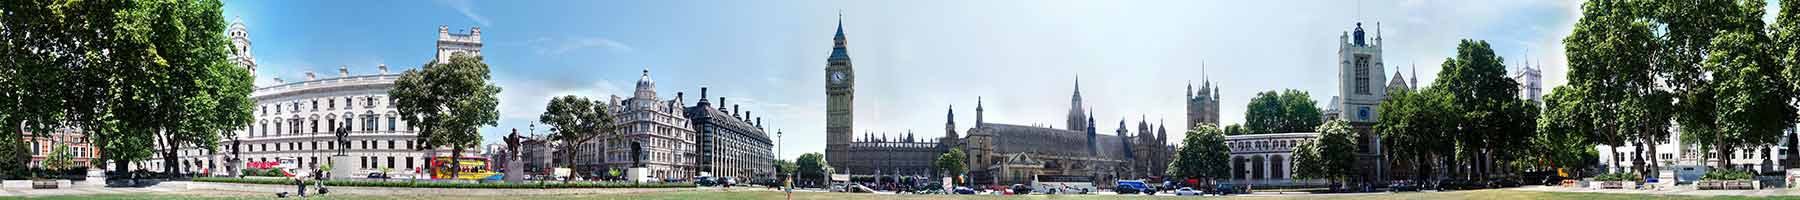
(301, 176)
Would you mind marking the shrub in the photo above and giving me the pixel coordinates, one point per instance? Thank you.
(1727, 174)
(1624, 176)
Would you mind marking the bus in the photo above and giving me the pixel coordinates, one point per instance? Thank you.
(473, 168)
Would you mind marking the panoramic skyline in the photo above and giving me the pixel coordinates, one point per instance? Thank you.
(913, 59)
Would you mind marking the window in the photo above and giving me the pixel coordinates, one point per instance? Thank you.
(390, 144)
(409, 162)
(390, 162)
(365, 162)
(315, 125)
(1362, 74)
(369, 123)
(333, 104)
(315, 105)
(390, 123)
(369, 102)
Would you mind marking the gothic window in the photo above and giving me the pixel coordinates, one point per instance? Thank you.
(1362, 74)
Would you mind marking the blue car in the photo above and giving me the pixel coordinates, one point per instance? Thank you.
(964, 190)
(1134, 187)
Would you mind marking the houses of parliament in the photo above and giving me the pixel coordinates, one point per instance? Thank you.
(1000, 153)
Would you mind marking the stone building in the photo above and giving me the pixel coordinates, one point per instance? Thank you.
(1361, 88)
(294, 120)
(731, 144)
(660, 127)
(1004, 154)
(1202, 106)
(1266, 159)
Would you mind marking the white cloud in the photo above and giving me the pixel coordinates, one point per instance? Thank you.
(526, 98)
(557, 46)
(467, 8)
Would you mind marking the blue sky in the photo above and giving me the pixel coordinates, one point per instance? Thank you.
(913, 58)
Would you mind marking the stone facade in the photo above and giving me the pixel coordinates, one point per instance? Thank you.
(1361, 89)
(840, 94)
(1004, 154)
(449, 43)
(1203, 106)
(662, 129)
(1266, 159)
(730, 144)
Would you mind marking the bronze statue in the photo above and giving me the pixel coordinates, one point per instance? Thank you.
(512, 143)
(343, 139)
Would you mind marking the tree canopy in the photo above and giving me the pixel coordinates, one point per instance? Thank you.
(1202, 154)
(576, 120)
(448, 102)
(1290, 111)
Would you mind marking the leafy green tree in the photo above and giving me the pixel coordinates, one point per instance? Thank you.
(575, 121)
(784, 167)
(1610, 62)
(1235, 129)
(1687, 56)
(813, 168)
(1477, 83)
(1202, 155)
(951, 163)
(59, 158)
(1563, 131)
(1419, 125)
(1290, 111)
(1331, 156)
(448, 102)
(1754, 105)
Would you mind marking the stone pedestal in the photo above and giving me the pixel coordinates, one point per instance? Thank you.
(515, 170)
(341, 167)
(638, 175)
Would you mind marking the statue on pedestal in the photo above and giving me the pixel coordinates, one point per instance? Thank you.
(343, 139)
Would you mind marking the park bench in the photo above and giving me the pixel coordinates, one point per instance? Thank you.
(43, 184)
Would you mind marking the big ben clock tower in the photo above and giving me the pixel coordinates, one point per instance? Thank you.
(840, 91)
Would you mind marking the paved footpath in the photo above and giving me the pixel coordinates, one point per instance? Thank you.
(1677, 190)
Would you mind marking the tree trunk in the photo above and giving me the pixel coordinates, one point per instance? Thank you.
(1724, 151)
(455, 162)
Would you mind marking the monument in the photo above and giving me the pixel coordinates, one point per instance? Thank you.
(342, 156)
(637, 173)
(515, 170)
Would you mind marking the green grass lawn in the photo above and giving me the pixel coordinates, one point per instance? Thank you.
(1480, 194)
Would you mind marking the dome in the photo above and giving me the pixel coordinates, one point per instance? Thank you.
(646, 88)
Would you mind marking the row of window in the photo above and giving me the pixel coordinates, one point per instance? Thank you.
(330, 145)
(295, 125)
(331, 104)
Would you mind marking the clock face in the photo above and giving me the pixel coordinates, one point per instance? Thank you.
(837, 77)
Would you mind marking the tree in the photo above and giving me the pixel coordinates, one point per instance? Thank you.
(784, 167)
(1202, 155)
(812, 167)
(1689, 58)
(1289, 111)
(1563, 132)
(951, 163)
(574, 121)
(1235, 129)
(1754, 103)
(1331, 156)
(1419, 125)
(448, 102)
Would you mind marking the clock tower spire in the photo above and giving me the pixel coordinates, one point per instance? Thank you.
(840, 92)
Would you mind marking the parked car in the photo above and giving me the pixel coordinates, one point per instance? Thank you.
(727, 181)
(1502, 183)
(1133, 187)
(1403, 186)
(1021, 189)
(1223, 189)
(705, 181)
(964, 190)
(1187, 191)
(378, 175)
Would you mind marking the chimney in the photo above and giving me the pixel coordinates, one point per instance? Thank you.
(678, 97)
(759, 122)
(722, 104)
(702, 93)
(383, 68)
(343, 71)
(310, 77)
(746, 115)
(734, 110)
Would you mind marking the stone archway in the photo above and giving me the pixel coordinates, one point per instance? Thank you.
(1257, 167)
(1237, 168)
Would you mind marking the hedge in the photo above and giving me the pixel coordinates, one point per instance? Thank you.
(1626, 176)
(436, 184)
(1727, 174)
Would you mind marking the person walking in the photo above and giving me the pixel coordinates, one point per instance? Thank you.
(300, 181)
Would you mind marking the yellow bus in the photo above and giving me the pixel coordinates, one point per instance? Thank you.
(472, 168)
